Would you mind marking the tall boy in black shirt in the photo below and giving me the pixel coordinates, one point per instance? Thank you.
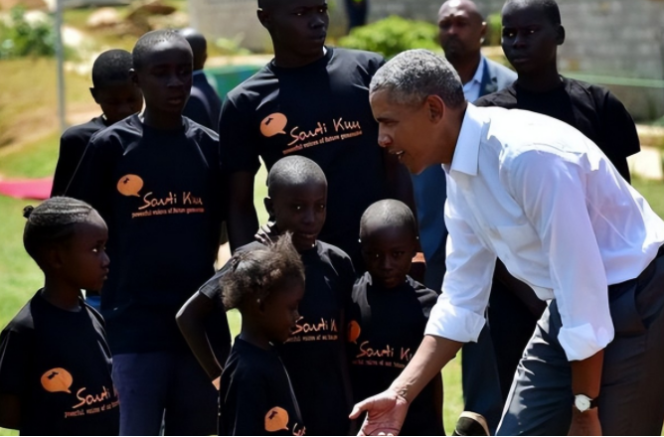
(155, 178)
(389, 313)
(313, 101)
(532, 32)
(118, 97)
(314, 355)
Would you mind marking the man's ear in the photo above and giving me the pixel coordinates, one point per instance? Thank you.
(435, 108)
(93, 93)
(134, 77)
(483, 32)
(560, 35)
(269, 206)
(264, 18)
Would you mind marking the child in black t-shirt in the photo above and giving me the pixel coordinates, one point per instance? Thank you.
(315, 354)
(118, 98)
(156, 179)
(256, 398)
(389, 314)
(55, 364)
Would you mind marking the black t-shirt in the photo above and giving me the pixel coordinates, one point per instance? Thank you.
(59, 365)
(591, 109)
(255, 394)
(315, 354)
(386, 326)
(320, 111)
(72, 147)
(204, 104)
(159, 192)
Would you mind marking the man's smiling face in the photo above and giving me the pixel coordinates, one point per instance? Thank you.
(407, 131)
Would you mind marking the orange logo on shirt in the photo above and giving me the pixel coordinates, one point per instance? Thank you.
(276, 420)
(354, 331)
(274, 124)
(57, 380)
(130, 185)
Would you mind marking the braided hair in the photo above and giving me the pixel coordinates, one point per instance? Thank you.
(52, 222)
(254, 274)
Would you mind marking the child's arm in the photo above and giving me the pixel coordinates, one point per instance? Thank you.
(14, 351)
(10, 411)
(191, 320)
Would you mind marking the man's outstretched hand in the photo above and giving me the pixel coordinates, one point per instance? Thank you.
(385, 413)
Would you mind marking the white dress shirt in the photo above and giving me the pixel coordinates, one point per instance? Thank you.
(543, 198)
(471, 89)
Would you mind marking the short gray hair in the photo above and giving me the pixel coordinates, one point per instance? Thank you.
(413, 75)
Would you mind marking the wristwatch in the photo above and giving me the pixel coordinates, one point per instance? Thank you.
(583, 403)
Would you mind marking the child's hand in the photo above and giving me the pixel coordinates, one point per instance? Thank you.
(216, 382)
(267, 234)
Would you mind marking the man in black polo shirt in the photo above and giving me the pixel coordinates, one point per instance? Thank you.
(532, 32)
(310, 100)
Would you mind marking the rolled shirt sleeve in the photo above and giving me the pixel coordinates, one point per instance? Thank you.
(459, 312)
(551, 191)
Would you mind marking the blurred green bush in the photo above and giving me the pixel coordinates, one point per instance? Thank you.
(21, 36)
(494, 30)
(392, 36)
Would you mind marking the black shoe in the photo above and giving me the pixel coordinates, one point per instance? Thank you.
(470, 423)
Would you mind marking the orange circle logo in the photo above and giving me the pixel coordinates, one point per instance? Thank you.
(130, 185)
(353, 331)
(276, 420)
(274, 124)
(57, 380)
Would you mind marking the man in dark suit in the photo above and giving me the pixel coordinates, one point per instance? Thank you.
(461, 33)
(204, 104)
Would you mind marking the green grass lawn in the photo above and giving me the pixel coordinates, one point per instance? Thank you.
(20, 278)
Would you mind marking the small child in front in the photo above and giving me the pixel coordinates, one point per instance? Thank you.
(256, 397)
(55, 364)
(389, 313)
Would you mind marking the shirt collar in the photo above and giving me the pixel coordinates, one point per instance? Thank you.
(479, 73)
(467, 150)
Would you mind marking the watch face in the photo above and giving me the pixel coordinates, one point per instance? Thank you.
(582, 403)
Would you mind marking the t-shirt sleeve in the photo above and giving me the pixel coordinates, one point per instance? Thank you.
(71, 151)
(618, 127)
(239, 150)
(251, 406)
(14, 351)
(198, 110)
(92, 181)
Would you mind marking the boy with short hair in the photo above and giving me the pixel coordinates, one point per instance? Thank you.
(204, 104)
(118, 97)
(278, 113)
(389, 313)
(155, 177)
(315, 354)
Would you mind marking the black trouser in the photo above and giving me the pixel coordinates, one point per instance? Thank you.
(631, 400)
(488, 366)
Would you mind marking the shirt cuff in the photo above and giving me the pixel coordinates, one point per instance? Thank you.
(583, 342)
(454, 323)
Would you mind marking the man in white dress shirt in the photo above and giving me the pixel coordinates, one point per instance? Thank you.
(544, 199)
